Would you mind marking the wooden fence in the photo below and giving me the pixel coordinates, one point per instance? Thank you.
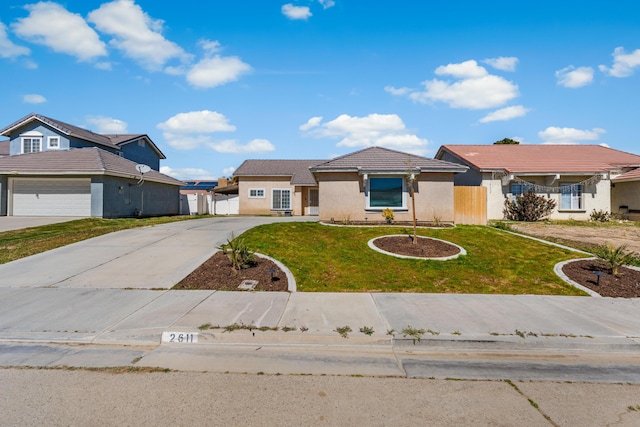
(470, 205)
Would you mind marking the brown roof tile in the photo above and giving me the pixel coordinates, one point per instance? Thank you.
(543, 158)
(77, 161)
(298, 170)
(384, 159)
(633, 175)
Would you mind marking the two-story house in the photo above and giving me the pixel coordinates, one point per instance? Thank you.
(57, 169)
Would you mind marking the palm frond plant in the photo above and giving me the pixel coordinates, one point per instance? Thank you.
(614, 257)
(238, 253)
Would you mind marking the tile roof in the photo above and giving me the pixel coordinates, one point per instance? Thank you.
(633, 175)
(542, 158)
(107, 140)
(77, 161)
(122, 139)
(298, 170)
(5, 148)
(63, 127)
(374, 159)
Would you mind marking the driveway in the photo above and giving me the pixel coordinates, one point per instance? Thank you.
(154, 257)
(17, 222)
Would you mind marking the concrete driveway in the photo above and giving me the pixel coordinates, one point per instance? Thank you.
(149, 257)
(17, 222)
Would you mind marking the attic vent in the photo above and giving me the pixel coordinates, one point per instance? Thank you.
(141, 143)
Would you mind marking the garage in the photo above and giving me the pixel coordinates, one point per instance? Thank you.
(51, 197)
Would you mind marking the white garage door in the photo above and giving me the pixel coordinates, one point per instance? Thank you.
(51, 197)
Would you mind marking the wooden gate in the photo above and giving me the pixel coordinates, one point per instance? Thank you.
(470, 205)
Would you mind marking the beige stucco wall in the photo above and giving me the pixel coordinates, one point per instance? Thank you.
(625, 194)
(262, 206)
(342, 196)
(595, 196)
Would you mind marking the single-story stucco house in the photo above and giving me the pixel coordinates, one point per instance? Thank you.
(356, 187)
(57, 169)
(580, 178)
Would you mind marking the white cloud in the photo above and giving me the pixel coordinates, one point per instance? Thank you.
(228, 171)
(624, 64)
(557, 135)
(187, 173)
(573, 77)
(204, 121)
(215, 71)
(51, 25)
(210, 46)
(103, 124)
(230, 146)
(504, 63)
(504, 114)
(476, 89)
(296, 12)
(188, 131)
(386, 130)
(7, 48)
(326, 4)
(464, 70)
(311, 123)
(136, 34)
(398, 91)
(33, 99)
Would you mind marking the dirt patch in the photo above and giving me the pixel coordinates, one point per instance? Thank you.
(625, 285)
(615, 236)
(423, 248)
(216, 273)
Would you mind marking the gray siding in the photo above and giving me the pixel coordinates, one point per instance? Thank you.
(124, 198)
(144, 155)
(3, 195)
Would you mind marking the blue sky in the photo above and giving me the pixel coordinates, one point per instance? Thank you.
(216, 82)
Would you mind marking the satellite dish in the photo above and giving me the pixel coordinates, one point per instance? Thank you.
(143, 168)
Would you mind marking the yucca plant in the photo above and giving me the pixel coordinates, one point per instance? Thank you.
(238, 253)
(614, 257)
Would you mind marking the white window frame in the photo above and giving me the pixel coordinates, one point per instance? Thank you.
(259, 193)
(31, 140)
(576, 197)
(51, 146)
(381, 208)
(273, 199)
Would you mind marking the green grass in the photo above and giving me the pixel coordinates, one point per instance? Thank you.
(16, 244)
(337, 259)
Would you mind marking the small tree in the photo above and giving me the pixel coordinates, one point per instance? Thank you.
(528, 207)
(614, 257)
(388, 215)
(506, 141)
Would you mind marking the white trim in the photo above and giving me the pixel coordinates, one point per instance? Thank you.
(256, 196)
(290, 199)
(31, 137)
(51, 147)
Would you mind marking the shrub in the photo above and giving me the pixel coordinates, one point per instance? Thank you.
(600, 216)
(387, 214)
(238, 253)
(614, 257)
(528, 207)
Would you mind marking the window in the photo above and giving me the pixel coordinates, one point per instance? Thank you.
(53, 142)
(31, 144)
(280, 199)
(571, 197)
(386, 193)
(520, 189)
(256, 193)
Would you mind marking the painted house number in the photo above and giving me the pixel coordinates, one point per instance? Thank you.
(180, 337)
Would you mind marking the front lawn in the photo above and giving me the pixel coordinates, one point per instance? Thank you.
(337, 259)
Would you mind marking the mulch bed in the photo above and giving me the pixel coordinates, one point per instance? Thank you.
(625, 285)
(424, 247)
(216, 273)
